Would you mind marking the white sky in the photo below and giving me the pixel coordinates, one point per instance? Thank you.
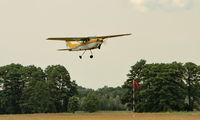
(163, 31)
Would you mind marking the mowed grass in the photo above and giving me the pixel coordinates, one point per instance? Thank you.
(106, 116)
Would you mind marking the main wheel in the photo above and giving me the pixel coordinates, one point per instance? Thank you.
(80, 57)
(91, 56)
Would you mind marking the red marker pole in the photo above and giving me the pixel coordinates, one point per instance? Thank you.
(133, 96)
(135, 87)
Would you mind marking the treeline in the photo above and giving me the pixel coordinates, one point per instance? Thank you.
(163, 87)
(107, 98)
(29, 89)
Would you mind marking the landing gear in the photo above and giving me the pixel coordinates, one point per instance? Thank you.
(91, 56)
(82, 54)
(99, 46)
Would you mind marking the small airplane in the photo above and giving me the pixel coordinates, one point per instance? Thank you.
(84, 43)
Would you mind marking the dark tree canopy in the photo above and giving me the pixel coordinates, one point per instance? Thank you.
(163, 91)
(163, 87)
(60, 86)
(135, 74)
(12, 86)
(34, 95)
(91, 102)
(73, 104)
(110, 98)
(192, 80)
(29, 89)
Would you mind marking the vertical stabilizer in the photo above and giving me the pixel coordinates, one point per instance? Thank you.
(71, 45)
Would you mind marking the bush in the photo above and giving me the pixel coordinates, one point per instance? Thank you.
(73, 104)
(91, 103)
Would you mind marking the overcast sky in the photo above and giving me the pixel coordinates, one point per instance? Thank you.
(163, 31)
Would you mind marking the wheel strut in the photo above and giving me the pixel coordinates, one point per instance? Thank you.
(91, 56)
(82, 54)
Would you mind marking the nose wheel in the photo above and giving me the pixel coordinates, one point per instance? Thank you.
(91, 56)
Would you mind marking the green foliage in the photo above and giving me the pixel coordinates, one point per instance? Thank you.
(35, 92)
(91, 103)
(11, 88)
(60, 87)
(163, 91)
(192, 80)
(31, 90)
(135, 74)
(83, 92)
(163, 87)
(73, 104)
(110, 98)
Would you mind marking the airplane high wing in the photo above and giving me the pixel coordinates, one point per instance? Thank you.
(69, 38)
(111, 36)
(85, 38)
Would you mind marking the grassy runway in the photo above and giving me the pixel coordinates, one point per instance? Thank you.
(106, 116)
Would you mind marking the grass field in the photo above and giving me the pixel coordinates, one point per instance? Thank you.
(106, 116)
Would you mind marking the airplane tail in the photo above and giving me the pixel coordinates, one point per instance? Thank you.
(70, 44)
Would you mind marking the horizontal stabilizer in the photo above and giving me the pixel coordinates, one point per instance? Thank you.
(64, 49)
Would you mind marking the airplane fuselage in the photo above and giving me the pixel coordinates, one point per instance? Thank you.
(87, 46)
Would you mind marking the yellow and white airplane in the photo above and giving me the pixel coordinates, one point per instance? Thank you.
(84, 43)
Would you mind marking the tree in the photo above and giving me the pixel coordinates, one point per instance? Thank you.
(161, 87)
(192, 79)
(110, 98)
(11, 88)
(135, 74)
(35, 92)
(83, 92)
(30, 90)
(91, 102)
(60, 86)
(73, 104)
